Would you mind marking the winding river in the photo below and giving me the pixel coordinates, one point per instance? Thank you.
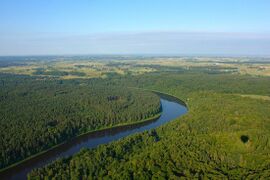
(171, 109)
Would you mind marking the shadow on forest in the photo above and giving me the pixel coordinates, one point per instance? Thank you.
(244, 138)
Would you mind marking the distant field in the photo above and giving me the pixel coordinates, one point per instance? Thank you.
(75, 69)
(257, 97)
(64, 68)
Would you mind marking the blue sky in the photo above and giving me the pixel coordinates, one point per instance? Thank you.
(233, 27)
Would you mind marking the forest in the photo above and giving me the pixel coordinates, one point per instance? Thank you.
(134, 89)
(225, 134)
(38, 113)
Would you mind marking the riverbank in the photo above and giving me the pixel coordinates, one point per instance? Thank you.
(171, 109)
(77, 136)
(163, 94)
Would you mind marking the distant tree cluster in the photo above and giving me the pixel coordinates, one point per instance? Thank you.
(41, 71)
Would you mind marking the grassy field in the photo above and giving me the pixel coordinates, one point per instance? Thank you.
(95, 68)
(266, 98)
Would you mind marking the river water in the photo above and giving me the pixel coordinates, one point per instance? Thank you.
(171, 109)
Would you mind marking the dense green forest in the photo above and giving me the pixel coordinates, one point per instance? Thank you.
(38, 113)
(224, 134)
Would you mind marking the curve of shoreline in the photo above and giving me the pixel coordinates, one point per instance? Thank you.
(111, 128)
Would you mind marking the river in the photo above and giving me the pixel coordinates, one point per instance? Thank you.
(171, 109)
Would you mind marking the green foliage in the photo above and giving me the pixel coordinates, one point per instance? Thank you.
(37, 114)
(206, 143)
(41, 71)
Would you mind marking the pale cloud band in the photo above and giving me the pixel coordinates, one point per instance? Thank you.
(137, 43)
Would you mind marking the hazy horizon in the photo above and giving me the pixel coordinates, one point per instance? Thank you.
(233, 28)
